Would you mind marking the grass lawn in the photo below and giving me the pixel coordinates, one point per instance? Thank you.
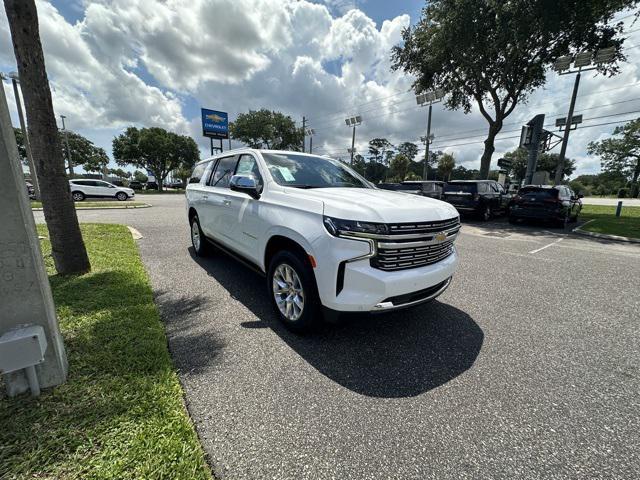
(104, 204)
(120, 415)
(605, 221)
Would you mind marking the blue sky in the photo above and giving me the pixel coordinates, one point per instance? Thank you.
(115, 63)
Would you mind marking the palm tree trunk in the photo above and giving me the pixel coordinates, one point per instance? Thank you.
(67, 245)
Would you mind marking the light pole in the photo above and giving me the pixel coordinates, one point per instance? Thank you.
(311, 132)
(422, 99)
(427, 140)
(66, 140)
(27, 145)
(353, 122)
(583, 62)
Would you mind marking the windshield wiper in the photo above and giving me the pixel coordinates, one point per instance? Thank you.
(301, 185)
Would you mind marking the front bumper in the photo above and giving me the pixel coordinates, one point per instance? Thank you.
(368, 289)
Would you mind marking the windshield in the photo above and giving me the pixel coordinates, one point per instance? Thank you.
(307, 171)
(460, 187)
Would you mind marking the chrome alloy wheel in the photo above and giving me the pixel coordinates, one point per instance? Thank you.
(195, 235)
(288, 292)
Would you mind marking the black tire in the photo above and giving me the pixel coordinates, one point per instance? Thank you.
(198, 241)
(122, 196)
(310, 313)
(563, 222)
(486, 213)
(78, 196)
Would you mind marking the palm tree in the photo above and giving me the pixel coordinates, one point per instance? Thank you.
(67, 246)
(446, 164)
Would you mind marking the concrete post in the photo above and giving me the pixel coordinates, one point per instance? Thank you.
(25, 294)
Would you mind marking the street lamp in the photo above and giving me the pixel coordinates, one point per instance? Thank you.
(422, 99)
(310, 132)
(353, 122)
(15, 79)
(582, 62)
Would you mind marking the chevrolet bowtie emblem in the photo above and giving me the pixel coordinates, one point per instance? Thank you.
(441, 237)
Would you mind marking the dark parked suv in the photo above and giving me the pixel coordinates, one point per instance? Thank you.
(484, 198)
(425, 188)
(558, 204)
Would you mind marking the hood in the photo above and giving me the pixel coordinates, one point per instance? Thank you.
(376, 205)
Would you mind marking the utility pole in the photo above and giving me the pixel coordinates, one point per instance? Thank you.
(66, 140)
(422, 99)
(304, 132)
(353, 122)
(567, 130)
(27, 144)
(583, 61)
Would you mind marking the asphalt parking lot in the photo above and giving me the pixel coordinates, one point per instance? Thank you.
(527, 367)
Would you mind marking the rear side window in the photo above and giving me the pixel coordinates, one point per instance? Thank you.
(197, 173)
(223, 172)
(461, 187)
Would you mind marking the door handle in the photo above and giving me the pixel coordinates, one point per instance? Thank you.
(204, 197)
(226, 203)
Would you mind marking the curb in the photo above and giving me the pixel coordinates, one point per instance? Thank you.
(603, 236)
(124, 207)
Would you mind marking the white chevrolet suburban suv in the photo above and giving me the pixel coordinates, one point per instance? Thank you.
(327, 240)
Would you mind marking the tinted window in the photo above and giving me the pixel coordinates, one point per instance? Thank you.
(247, 165)
(538, 192)
(223, 172)
(408, 187)
(310, 171)
(197, 173)
(102, 184)
(461, 187)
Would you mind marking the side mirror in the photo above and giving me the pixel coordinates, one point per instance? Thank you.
(580, 195)
(246, 184)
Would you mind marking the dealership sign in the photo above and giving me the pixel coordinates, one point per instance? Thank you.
(215, 124)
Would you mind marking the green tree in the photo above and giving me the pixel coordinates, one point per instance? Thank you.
(494, 54)
(140, 177)
(519, 158)
(446, 164)
(155, 150)
(264, 128)
(548, 162)
(378, 148)
(409, 150)
(84, 152)
(359, 164)
(398, 168)
(22, 151)
(67, 246)
(375, 171)
(621, 154)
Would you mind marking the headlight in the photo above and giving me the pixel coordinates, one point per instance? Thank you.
(337, 226)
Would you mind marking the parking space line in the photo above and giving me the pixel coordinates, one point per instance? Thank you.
(546, 246)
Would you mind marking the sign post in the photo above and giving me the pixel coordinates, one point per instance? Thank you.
(26, 305)
(215, 124)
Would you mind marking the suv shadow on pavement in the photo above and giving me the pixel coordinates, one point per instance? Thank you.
(393, 355)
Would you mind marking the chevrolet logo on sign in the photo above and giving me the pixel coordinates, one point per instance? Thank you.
(215, 118)
(441, 237)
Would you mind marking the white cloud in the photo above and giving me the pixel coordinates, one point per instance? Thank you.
(151, 62)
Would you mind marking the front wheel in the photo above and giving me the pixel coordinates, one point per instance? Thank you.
(293, 291)
(77, 196)
(122, 196)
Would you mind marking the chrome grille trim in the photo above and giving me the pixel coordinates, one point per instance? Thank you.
(405, 248)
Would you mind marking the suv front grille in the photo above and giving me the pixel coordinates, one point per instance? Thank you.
(416, 245)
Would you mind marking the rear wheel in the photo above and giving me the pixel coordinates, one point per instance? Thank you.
(77, 196)
(486, 213)
(293, 292)
(122, 196)
(198, 240)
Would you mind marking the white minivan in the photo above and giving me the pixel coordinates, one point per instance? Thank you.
(82, 188)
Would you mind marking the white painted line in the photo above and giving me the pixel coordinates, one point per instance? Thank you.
(546, 246)
(135, 233)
